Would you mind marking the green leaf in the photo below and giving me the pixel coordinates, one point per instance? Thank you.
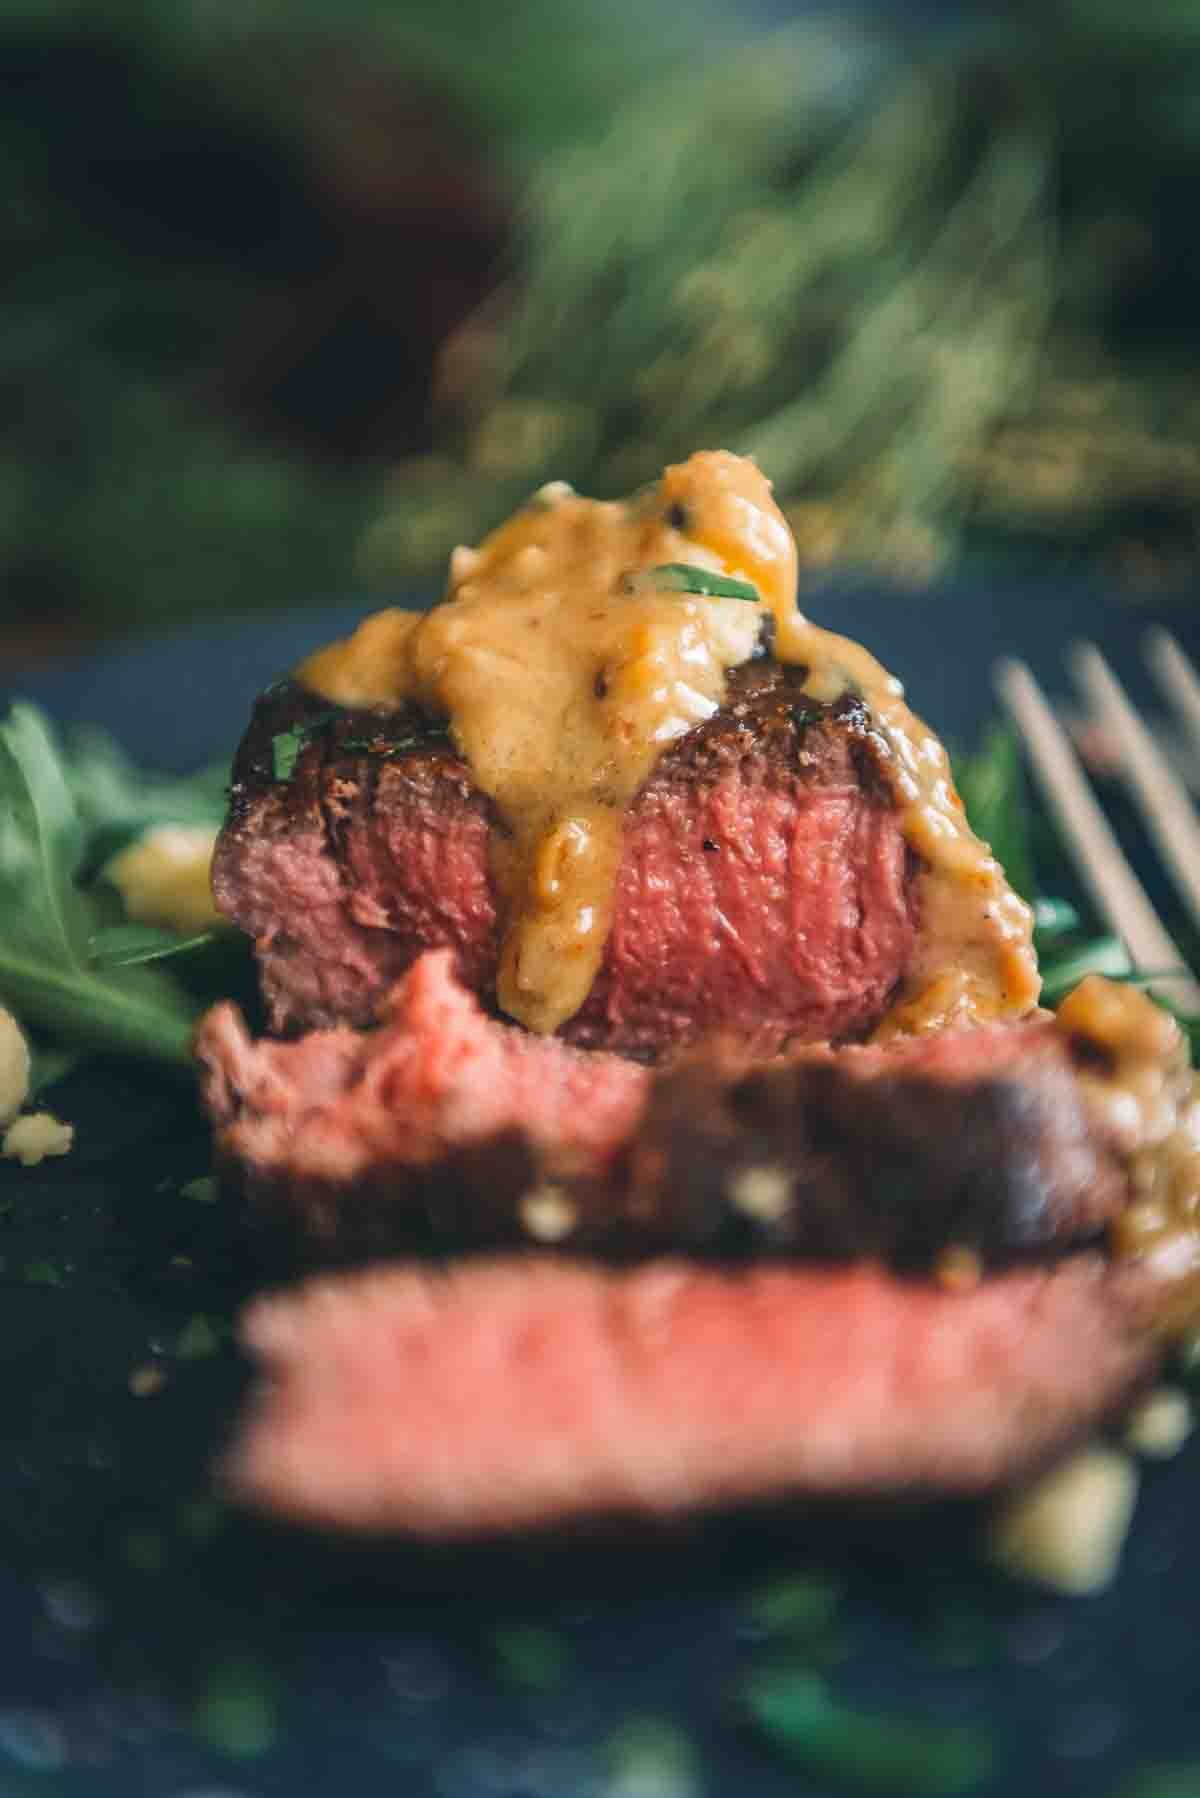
(530, 1657)
(41, 803)
(126, 945)
(198, 1339)
(992, 788)
(286, 747)
(238, 1713)
(49, 1065)
(684, 577)
(1053, 919)
(204, 1191)
(794, 1712)
(650, 1757)
(47, 921)
(1102, 955)
(800, 1604)
(1178, 1779)
(118, 801)
(42, 1273)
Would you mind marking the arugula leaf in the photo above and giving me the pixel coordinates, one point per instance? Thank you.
(685, 577)
(530, 1657)
(44, 838)
(47, 921)
(112, 795)
(992, 789)
(1100, 955)
(50, 1065)
(794, 1710)
(127, 945)
(1053, 919)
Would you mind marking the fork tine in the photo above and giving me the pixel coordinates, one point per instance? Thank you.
(1168, 810)
(1175, 675)
(1097, 855)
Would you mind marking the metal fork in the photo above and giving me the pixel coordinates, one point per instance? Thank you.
(1169, 814)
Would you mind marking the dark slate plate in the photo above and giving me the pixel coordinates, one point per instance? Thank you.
(148, 1636)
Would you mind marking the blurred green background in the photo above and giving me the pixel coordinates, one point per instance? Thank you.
(299, 295)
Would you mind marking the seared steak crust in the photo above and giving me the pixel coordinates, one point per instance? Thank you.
(765, 888)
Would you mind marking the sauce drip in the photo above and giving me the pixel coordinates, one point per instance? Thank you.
(1137, 1080)
(564, 672)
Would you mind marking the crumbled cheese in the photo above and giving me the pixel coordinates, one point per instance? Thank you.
(1160, 1424)
(147, 1380)
(763, 1193)
(547, 1213)
(1067, 1529)
(14, 1068)
(165, 877)
(33, 1137)
(959, 1268)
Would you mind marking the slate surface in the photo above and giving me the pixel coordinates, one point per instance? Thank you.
(146, 1634)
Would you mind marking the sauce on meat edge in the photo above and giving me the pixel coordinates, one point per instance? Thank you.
(1136, 1077)
(565, 671)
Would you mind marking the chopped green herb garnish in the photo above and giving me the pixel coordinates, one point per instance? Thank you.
(649, 1757)
(804, 716)
(530, 1657)
(42, 1273)
(801, 1604)
(200, 1519)
(238, 1712)
(204, 1191)
(125, 945)
(382, 745)
(1177, 1779)
(685, 577)
(794, 1711)
(145, 1550)
(287, 746)
(197, 1340)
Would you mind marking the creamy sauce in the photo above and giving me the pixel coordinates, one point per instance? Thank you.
(1139, 1085)
(564, 674)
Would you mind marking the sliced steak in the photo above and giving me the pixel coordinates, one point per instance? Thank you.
(361, 1139)
(528, 1392)
(765, 888)
(445, 1127)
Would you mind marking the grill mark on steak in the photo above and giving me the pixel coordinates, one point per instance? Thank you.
(437, 1129)
(796, 927)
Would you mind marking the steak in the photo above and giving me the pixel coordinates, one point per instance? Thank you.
(765, 889)
(525, 1392)
(444, 1127)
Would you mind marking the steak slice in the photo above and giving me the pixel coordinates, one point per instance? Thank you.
(765, 888)
(445, 1127)
(525, 1392)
